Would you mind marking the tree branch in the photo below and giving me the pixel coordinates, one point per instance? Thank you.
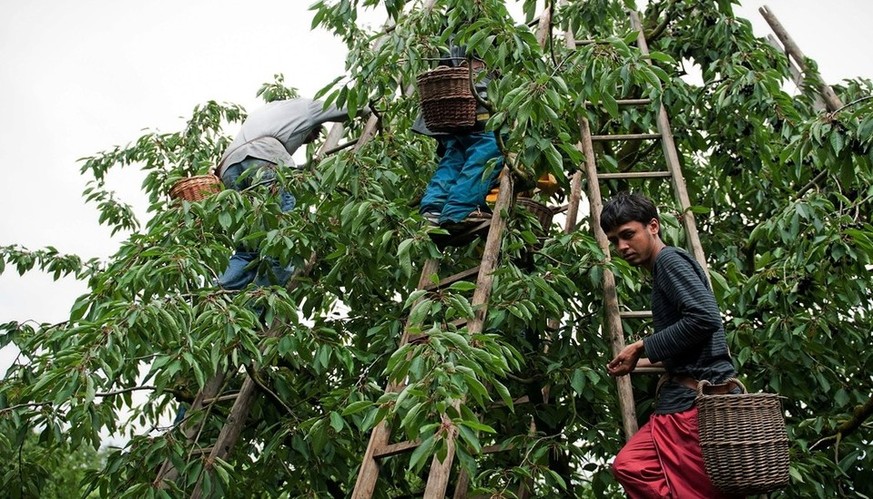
(19, 406)
(860, 415)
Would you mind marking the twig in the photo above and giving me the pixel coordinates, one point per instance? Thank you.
(19, 406)
(125, 390)
(812, 183)
(856, 101)
(254, 376)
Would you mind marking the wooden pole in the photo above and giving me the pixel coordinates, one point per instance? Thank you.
(672, 159)
(490, 256)
(818, 104)
(610, 296)
(830, 98)
(368, 474)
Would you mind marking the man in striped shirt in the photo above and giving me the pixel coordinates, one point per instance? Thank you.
(664, 458)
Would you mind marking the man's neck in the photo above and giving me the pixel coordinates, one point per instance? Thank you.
(659, 245)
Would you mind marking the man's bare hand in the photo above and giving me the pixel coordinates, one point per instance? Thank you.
(626, 360)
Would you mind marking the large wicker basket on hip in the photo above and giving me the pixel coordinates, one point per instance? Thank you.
(743, 438)
(447, 104)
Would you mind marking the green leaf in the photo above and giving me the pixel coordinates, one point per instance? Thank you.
(356, 407)
(336, 421)
(424, 449)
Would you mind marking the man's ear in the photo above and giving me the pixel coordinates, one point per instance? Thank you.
(654, 226)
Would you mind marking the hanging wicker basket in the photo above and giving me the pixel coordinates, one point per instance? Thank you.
(195, 188)
(447, 104)
(744, 442)
(543, 213)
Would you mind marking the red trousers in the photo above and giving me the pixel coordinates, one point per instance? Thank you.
(664, 460)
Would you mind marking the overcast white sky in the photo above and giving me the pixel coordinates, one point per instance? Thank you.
(81, 77)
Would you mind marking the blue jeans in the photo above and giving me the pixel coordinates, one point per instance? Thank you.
(243, 266)
(457, 187)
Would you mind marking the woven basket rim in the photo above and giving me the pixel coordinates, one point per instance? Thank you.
(196, 187)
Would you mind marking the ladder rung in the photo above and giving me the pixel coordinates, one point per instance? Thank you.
(460, 276)
(629, 175)
(222, 398)
(633, 102)
(629, 102)
(649, 370)
(635, 314)
(626, 136)
(394, 449)
(340, 147)
(492, 449)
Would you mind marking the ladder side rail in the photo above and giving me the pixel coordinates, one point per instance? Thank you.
(818, 104)
(191, 430)
(438, 478)
(368, 473)
(544, 28)
(610, 295)
(792, 49)
(672, 158)
(614, 327)
(230, 431)
(490, 256)
(245, 398)
(576, 181)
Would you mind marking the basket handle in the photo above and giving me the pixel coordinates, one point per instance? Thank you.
(702, 384)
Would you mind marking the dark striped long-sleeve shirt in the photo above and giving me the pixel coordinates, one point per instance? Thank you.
(689, 336)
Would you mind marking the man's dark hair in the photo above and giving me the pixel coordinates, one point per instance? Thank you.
(627, 207)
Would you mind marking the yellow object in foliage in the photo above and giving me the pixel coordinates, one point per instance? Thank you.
(547, 184)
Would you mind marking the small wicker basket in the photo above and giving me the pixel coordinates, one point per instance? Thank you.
(543, 213)
(447, 104)
(744, 442)
(195, 188)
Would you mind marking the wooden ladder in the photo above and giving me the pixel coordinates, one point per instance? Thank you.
(379, 447)
(614, 313)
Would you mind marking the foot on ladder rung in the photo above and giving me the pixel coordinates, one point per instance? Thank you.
(460, 234)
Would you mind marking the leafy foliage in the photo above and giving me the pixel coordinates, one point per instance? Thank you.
(783, 203)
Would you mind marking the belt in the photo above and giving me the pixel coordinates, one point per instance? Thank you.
(709, 389)
(691, 383)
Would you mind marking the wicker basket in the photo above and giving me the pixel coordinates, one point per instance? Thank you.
(743, 438)
(195, 188)
(447, 104)
(543, 213)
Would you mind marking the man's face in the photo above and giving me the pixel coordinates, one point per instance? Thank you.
(636, 243)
